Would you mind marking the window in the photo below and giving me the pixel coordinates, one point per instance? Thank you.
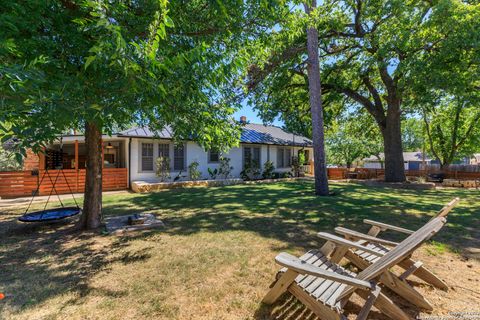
(164, 150)
(280, 158)
(251, 154)
(213, 156)
(284, 157)
(179, 157)
(147, 156)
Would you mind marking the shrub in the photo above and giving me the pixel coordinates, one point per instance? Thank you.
(213, 173)
(225, 169)
(268, 168)
(163, 168)
(301, 157)
(193, 171)
(251, 171)
(8, 162)
(296, 166)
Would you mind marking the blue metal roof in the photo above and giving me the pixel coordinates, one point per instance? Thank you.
(251, 133)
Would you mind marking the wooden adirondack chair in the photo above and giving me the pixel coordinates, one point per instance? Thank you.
(325, 287)
(362, 259)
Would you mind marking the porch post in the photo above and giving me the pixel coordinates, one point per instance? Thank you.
(41, 159)
(76, 165)
(101, 143)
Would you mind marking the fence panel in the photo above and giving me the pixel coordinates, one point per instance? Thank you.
(25, 183)
(17, 183)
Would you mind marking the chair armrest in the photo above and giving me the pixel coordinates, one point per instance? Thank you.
(293, 263)
(347, 243)
(358, 235)
(385, 226)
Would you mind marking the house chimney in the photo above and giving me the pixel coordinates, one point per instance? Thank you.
(243, 119)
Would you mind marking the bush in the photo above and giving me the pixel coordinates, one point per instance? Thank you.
(213, 173)
(268, 169)
(163, 168)
(225, 169)
(193, 171)
(282, 175)
(8, 162)
(251, 171)
(296, 166)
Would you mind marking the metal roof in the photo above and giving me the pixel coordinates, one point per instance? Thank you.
(251, 133)
(407, 156)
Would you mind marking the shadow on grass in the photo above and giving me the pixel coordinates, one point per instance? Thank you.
(40, 261)
(288, 212)
(291, 213)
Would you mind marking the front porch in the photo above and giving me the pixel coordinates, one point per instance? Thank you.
(63, 164)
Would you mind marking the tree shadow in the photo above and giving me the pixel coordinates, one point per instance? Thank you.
(291, 213)
(288, 212)
(40, 261)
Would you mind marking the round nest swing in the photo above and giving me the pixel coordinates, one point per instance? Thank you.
(50, 214)
(54, 214)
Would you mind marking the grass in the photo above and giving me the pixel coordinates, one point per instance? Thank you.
(215, 257)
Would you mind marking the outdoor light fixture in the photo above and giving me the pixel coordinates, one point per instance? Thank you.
(109, 146)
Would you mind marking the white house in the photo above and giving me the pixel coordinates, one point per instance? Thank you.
(475, 159)
(137, 149)
(412, 161)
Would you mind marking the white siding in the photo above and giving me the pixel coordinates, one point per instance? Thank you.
(196, 153)
(378, 165)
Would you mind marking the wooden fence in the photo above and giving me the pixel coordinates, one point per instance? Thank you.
(25, 183)
(365, 173)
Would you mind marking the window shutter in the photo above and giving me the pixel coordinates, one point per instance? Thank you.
(179, 157)
(147, 156)
(280, 158)
(164, 150)
(256, 155)
(288, 157)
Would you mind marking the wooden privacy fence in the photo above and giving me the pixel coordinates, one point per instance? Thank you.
(25, 183)
(365, 173)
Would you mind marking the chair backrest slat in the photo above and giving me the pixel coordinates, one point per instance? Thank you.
(447, 208)
(399, 253)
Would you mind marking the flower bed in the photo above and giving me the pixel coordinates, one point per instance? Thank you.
(145, 186)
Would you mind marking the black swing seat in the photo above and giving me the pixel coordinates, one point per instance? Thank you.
(50, 214)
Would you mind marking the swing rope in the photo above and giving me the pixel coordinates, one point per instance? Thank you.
(54, 183)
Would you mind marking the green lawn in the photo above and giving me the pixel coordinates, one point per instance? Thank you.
(215, 257)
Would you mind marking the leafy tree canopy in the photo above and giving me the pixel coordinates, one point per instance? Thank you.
(453, 129)
(380, 55)
(351, 137)
(65, 63)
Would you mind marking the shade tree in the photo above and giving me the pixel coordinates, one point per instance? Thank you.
(379, 55)
(96, 66)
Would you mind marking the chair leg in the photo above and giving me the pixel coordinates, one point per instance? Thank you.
(390, 280)
(372, 297)
(403, 289)
(425, 274)
(386, 306)
(280, 286)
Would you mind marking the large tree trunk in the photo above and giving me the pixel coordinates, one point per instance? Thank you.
(92, 203)
(392, 142)
(315, 93)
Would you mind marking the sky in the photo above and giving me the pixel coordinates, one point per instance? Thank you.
(252, 115)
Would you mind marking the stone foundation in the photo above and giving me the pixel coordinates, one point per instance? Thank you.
(398, 185)
(145, 186)
(460, 183)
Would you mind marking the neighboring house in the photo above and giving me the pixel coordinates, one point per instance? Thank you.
(138, 148)
(412, 160)
(475, 159)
